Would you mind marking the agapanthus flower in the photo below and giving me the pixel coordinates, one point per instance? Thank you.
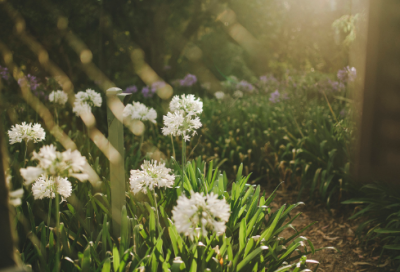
(30, 80)
(26, 132)
(330, 85)
(157, 85)
(4, 73)
(203, 212)
(176, 124)
(206, 85)
(54, 163)
(131, 89)
(238, 94)
(15, 197)
(187, 104)
(153, 174)
(347, 74)
(47, 186)
(182, 120)
(84, 101)
(188, 80)
(219, 95)
(275, 97)
(245, 86)
(137, 110)
(147, 92)
(58, 97)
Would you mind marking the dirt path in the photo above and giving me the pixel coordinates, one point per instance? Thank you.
(333, 231)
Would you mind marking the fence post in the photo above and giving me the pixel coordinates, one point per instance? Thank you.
(117, 170)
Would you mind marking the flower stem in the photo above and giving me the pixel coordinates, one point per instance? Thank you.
(88, 140)
(49, 216)
(183, 160)
(56, 113)
(58, 231)
(156, 206)
(26, 149)
(173, 148)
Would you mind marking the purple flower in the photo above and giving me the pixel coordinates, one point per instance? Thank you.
(146, 92)
(167, 67)
(275, 97)
(347, 74)
(30, 80)
(188, 80)
(245, 86)
(157, 85)
(4, 73)
(131, 89)
(343, 112)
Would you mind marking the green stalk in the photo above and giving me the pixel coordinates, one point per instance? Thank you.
(88, 140)
(183, 160)
(58, 231)
(26, 149)
(156, 206)
(56, 113)
(173, 148)
(49, 216)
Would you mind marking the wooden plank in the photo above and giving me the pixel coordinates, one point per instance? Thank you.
(117, 169)
(378, 154)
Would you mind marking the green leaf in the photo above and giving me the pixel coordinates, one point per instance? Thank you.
(86, 261)
(116, 260)
(394, 247)
(250, 257)
(268, 232)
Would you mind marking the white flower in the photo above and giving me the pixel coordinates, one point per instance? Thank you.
(15, 197)
(219, 95)
(30, 174)
(152, 175)
(137, 110)
(48, 186)
(189, 105)
(54, 163)
(177, 125)
(58, 97)
(208, 212)
(238, 94)
(81, 108)
(84, 101)
(26, 132)
(182, 120)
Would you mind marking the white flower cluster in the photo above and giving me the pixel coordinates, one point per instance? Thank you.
(137, 110)
(200, 213)
(238, 94)
(15, 197)
(219, 95)
(54, 163)
(152, 175)
(84, 101)
(26, 132)
(183, 120)
(58, 97)
(46, 186)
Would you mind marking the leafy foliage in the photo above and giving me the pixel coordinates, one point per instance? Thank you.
(378, 209)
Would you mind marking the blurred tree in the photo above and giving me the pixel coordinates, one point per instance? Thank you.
(286, 34)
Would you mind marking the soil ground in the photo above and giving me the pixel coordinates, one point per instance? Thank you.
(333, 230)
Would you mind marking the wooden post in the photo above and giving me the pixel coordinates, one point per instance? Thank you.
(7, 246)
(117, 170)
(378, 155)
